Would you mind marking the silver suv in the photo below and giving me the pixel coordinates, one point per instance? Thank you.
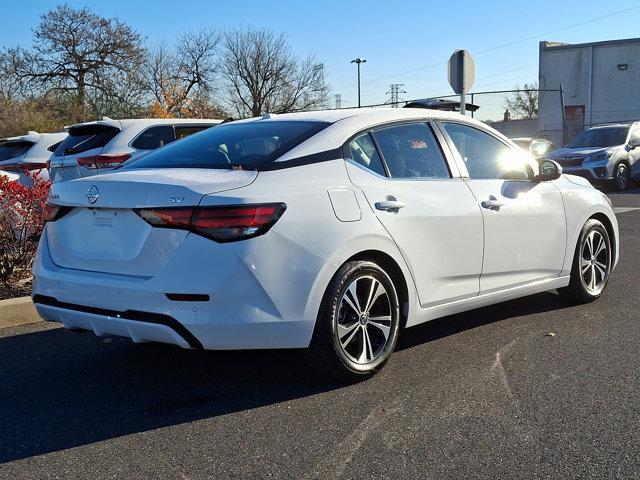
(603, 153)
(100, 146)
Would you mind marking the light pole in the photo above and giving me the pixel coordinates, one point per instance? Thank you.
(359, 61)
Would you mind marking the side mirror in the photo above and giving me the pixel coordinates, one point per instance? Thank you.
(634, 143)
(548, 170)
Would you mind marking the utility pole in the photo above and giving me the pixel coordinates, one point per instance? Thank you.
(338, 99)
(358, 61)
(395, 93)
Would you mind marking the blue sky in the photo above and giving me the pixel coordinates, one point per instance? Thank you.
(404, 41)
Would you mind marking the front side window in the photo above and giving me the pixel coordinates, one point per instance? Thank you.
(485, 156)
(363, 151)
(154, 137)
(600, 137)
(246, 145)
(411, 151)
(9, 150)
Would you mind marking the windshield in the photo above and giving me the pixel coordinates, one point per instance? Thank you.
(10, 150)
(240, 145)
(601, 137)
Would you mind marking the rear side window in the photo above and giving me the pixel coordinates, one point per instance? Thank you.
(86, 137)
(53, 147)
(363, 151)
(10, 150)
(186, 130)
(154, 137)
(246, 145)
(411, 151)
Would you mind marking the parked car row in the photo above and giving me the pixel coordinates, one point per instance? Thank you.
(602, 153)
(90, 148)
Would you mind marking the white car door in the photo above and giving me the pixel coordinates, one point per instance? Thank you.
(425, 206)
(524, 220)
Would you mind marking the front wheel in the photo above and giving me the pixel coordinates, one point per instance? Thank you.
(621, 176)
(357, 325)
(591, 264)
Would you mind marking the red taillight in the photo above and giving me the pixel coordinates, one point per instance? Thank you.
(104, 161)
(222, 224)
(22, 167)
(51, 212)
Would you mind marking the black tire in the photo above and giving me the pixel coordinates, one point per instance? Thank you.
(325, 354)
(578, 289)
(621, 176)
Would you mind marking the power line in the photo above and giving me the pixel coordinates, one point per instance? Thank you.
(491, 49)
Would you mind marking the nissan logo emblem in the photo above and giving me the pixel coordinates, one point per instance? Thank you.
(93, 194)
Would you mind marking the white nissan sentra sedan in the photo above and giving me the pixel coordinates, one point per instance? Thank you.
(329, 231)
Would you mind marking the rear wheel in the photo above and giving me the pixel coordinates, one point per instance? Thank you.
(621, 176)
(357, 325)
(591, 264)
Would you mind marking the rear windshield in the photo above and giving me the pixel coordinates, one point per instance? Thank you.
(601, 137)
(10, 150)
(86, 137)
(241, 145)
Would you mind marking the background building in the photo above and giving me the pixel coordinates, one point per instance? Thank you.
(600, 80)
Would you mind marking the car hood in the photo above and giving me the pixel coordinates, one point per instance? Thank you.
(576, 152)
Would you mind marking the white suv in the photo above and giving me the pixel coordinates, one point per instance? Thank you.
(27, 155)
(100, 146)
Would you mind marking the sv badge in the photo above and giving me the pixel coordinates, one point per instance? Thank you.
(176, 199)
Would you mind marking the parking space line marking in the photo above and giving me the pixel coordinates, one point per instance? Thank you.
(624, 209)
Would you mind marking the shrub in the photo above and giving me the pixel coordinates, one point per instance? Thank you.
(21, 223)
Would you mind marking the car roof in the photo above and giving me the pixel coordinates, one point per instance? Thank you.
(344, 123)
(124, 123)
(610, 125)
(35, 137)
(366, 115)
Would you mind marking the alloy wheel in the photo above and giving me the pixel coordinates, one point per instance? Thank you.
(595, 260)
(364, 320)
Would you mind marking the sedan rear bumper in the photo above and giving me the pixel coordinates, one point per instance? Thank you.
(256, 300)
(139, 331)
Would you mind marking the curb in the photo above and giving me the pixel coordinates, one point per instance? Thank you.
(17, 311)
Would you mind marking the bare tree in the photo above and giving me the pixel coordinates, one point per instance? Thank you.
(12, 86)
(182, 78)
(523, 103)
(264, 75)
(79, 52)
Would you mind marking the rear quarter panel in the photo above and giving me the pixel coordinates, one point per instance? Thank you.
(311, 222)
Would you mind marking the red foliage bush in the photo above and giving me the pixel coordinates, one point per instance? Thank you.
(21, 224)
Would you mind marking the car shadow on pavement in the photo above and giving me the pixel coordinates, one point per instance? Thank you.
(60, 389)
(446, 326)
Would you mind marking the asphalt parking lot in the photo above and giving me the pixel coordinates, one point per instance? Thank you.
(532, 388)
